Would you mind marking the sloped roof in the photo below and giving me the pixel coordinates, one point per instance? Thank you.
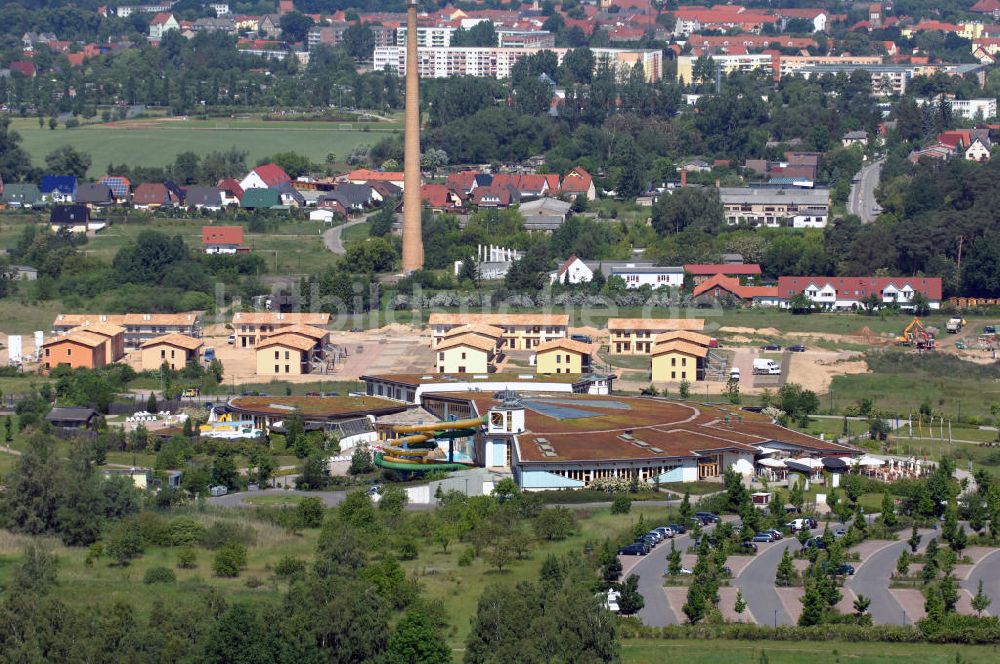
(565, 344)
(94, 192)
(733, 285)
(152, 193)
(542, 320)
(846, 286)
(102, 329)
(679, 346)
(206, 196)
(470, 340)
(683, 335)
(577, 181)
(705, 269)
(289, 340)
(175, 339)
(83, 338)
(222, 235)
(664, 324)
(483, 329)
(272, 174)
(260, 198)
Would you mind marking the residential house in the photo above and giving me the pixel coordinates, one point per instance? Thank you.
(161, 24)
(484, 330)
(775, 207)
(634, 336)
(853, 292)
(270, 26)
(138, 327)
(528, 186)
(264, 177)
(676, 360)
(383, 190)
(121, 187)
(364, 176)
(18, 195)
(571, 271)
(75, 350)
(203, 198)
(440, 199)
(72, 219)
(252, 326)
(696, 166)
(563, 356)
(174, 350)
(328, 213)
(520, 331)
(353, 197)
(466, 353)
(289, 195)
(24, 68)
(721, 286)
(256, 199)
(578, 181)
(113, 335)
(94, 195)
(701, 272)
(222, 239)
(495, 196)
(544, 214)
(859, 137)
(231, 191)
(22, 272)
(637, 274)
(285, 355)
(978, 151)
(58, 188)
(152, 195)
(464, 182)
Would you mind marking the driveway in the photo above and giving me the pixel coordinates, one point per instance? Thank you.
(757, 583)
(650, 569)
(332, 236)
(862, 199)
(987, 571)
(872, 580)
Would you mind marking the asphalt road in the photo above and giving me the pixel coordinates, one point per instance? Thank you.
(872, 580)
(987, 571)
(757, 583)
(862, 199)
(332, 236)
(657, 612)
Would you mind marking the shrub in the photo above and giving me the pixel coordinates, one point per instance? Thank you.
(289, 567)
(310, 512)
(159, 575)
(184, 531)
(253, 582)
(224, 532)
(186, 558)
(467, 557)
(408, 549)
(230, 560)
(622, 504)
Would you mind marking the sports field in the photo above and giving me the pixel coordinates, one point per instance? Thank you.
(157, 141)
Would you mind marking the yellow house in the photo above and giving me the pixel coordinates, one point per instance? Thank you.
(320, 336)
(635, 336)
(285, 355)
(684, 335)
(467, 353)
(252, 327)
(563, 356)
(490, 332)
(678, 360)
(174, 350)
(520, 331)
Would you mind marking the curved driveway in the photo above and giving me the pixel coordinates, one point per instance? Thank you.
(987, 571)
(757, 583)
(332, 238)
(872, 579)
(657, 612)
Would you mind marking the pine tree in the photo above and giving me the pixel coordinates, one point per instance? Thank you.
(741, 604)
(695, 606)
(914, 540)
(814, 606)
(786, 570)
(903, 563)
(674, 560)
(630, 601)
(981, 601)
(888, 511)
(685, 508)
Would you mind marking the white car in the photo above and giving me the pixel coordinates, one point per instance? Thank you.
(232, 339)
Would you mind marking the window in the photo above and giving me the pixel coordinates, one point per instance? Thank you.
(673, 375)
(558, 358)
(684, 361)
(463, 355)
(286, 354)
(286, 369)
(441, 356)
(47, 353)
(172, 354)
(277, 354)
(69, 351)
(673, 361)
(163, 354)
(277, 369)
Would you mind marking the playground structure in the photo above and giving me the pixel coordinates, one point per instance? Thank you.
(916, 335)
(413, 452)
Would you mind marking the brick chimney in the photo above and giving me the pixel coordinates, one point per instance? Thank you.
(684, 178)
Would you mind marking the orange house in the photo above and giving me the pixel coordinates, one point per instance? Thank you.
(114, 338)
(76, 349)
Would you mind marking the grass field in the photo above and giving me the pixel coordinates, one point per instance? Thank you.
(158, 142)
(636, 651)
(902, 393)
(357, 232)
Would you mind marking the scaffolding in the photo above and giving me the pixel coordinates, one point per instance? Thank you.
(716, 366)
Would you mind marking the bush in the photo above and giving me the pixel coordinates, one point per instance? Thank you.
(184, 531)
(622, 504)
(159, 575)
(310, 512)
(224, 532)
(230, 560)
(289, 567)
(467, 557)
(186, 558)
(408, 549)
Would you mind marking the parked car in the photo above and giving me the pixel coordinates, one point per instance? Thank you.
(814, 543)
(648, 539)
(839, 532)
(666, 531)
(656, 535)
(678, 528)
(633, 550)
(771, 347)
(684, 570)
(231, 339)
(792, 509)
(812, 523)
(709, 517)
(777, 533)
(845, 569)
(763, 537)
(191, 392)
(797, 348)
(582, 338)
(746, 547)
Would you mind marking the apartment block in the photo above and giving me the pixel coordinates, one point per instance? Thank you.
(520, 331)
(636, 336)
(776, 207)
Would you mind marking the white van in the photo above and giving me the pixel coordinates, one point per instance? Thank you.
(734, 375)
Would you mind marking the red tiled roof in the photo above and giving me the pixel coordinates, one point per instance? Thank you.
(222, 235)
(986, 7)
(462, 181)
(577, 181)
(436, 195)
(24, 67)
(231, 187)
(732, 285)
(532, 185)
(702, 269)
(160, 18)
(929, 286)
(272, 174)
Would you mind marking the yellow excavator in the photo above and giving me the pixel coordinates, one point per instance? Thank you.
(916, 335)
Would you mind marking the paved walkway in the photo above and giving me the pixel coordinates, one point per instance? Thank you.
(756, 580)
(986, 570)
(332, 236)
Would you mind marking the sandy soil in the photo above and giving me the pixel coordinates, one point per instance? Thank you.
(751, 331)
(814, 370)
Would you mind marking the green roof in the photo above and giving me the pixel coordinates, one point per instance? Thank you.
(260, 198)
(22, 193)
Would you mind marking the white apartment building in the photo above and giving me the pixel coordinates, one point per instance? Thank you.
(427, 36)
(490, 62)
(776, 207)
(729, 64)
(969, 108)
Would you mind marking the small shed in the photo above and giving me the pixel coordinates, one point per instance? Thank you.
(72, 417)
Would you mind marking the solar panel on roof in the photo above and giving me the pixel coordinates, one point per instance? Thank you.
(559, 412)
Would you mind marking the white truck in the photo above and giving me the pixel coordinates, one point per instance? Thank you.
(955, 325)
(763, 366)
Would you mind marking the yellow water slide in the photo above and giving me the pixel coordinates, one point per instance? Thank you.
(414, 449)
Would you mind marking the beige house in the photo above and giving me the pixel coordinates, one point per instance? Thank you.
(490, 332)
(174, 350)
(250, 327)
(284, 355)
(678, 360)
(520, 331)
(320, 336)
(635, 336)
(563, 356)
(467, 353)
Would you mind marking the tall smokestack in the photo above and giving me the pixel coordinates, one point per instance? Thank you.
(413, 244)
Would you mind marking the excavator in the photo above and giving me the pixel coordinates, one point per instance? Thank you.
(916, 335)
